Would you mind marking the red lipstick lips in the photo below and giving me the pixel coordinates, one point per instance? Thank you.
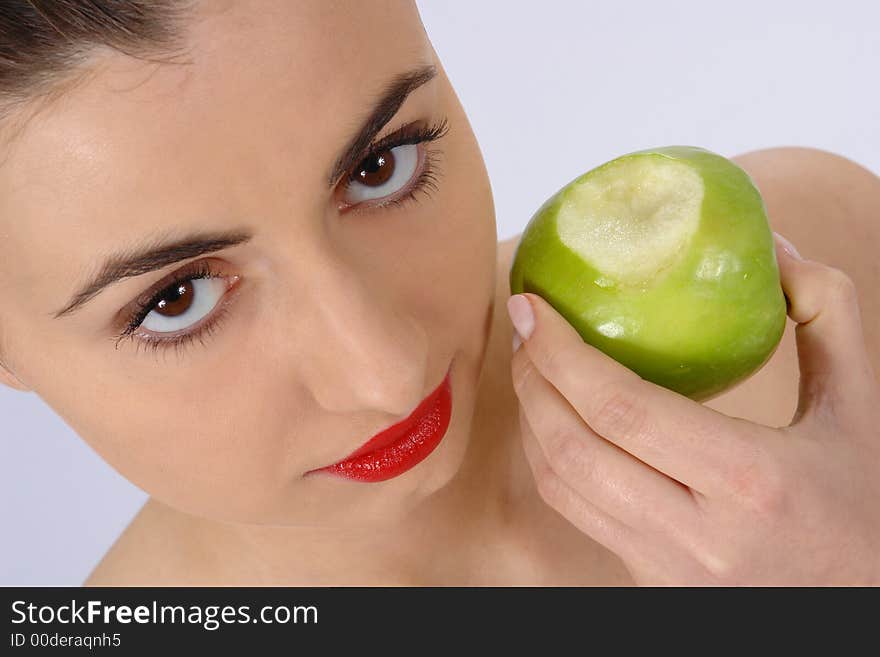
(401, 446)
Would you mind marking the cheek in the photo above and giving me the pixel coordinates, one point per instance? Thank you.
(459, 261)
(202, 441)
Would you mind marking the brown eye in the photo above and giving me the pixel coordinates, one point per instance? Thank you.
(376, 169)
(177, 301)
(383, 174)
(184, 304)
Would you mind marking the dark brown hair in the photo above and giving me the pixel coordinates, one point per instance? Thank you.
(44, 44)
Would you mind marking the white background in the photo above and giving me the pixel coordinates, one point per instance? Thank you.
(552, 89)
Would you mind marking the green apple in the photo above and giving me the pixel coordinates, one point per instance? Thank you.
(664, 260)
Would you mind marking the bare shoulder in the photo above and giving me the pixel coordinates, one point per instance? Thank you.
(153, 550)
(808, 191)
(797, 162)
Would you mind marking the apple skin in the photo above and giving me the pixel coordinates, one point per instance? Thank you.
(693, 333)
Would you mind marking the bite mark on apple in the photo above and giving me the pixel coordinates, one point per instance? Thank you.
(632, 217)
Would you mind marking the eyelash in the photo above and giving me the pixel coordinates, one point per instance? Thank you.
(198, 270)
(412, 133)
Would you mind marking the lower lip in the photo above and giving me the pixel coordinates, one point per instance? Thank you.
(401, 446)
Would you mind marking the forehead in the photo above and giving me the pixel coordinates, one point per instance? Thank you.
(269, 91)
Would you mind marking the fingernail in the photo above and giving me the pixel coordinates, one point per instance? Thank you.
(520, 311)
(788, 246)
(517, 341)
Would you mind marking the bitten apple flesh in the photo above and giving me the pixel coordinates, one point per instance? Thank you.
(664, 260)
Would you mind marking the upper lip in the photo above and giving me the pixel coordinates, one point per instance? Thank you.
(392, 433)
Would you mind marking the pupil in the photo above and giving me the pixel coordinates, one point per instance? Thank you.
(376, 169)
(177, 301)
(380, 161)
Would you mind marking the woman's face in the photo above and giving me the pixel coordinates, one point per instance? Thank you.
(282, 352)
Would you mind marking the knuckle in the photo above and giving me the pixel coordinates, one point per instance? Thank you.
(568, 453)
(551, 362)
(840, 285)
(771, 498)
(722, 566)
(727, 560)
(761, 485)
(547, 484)
(619, 412)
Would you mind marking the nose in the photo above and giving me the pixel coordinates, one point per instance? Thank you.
(368, 353)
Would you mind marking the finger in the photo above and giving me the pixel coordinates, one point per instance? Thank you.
(605, 475)
(598, 525)
(835, 371)
(641, 552)
(691, 443)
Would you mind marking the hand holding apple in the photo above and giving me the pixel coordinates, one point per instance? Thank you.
(684, 494)
(662, 259)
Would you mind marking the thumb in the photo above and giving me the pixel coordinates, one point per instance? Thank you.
(835, 372)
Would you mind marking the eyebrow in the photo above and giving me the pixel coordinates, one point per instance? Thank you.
(159, 254)
(394, 95)
(150, 257)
